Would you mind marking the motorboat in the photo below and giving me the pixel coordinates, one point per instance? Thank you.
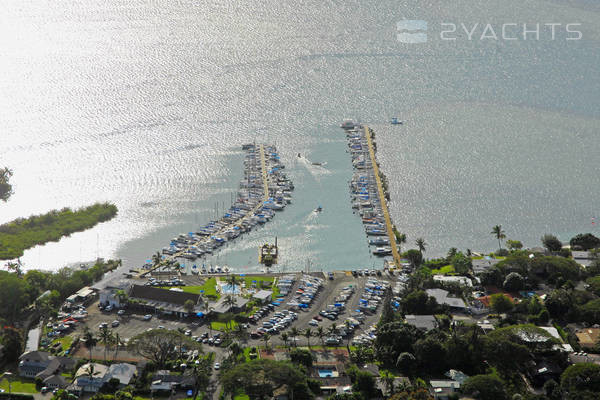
(395, 121)
(380, 241)
(319, 209)
(382, 251)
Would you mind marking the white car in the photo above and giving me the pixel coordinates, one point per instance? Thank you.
(147, 317)
(160, 327)
(217, 365)
(115, 323)
(314, 322)
(121, 312)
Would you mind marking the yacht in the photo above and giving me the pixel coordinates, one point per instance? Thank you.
(382, 251)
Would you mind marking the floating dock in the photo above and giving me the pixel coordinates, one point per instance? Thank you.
(367, 193)
(264, 190)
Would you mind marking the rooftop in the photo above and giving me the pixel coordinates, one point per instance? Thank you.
(427, 322)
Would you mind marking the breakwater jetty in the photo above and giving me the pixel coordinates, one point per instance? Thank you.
(367, 192)
(264, 190)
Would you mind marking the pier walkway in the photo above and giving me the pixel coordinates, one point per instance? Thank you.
(263, 167)
(384, 207)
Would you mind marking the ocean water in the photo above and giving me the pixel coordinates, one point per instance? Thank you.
(146, 104)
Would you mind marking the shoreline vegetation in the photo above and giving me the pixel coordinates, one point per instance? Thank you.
(24, 233)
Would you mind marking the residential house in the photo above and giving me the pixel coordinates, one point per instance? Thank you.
(460, 280)
(89, 378)
(56, 366)
(55, 382)
(584, 258)
(425, 322)
(483, 264)
(40, 364)
(123, 372)
(442, 297)
(588, 337)
(398, 383)
(163, 380)
(442, 389)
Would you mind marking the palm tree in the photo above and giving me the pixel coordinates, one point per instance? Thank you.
(235, 349)
(420, 242)
(118, 342)
(401, 239)
(90, 340)
(157, 259)
(232, 280)
(307, 335)
(347, 326)
(266, 338)
(499, 233)
(90, 371)
(285, 337)
(388, 381)
(230, 302)
(106, 337)
(333, 330)
(294, 332)
(321, 334)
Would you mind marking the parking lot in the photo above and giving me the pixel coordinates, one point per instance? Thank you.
(130, 324)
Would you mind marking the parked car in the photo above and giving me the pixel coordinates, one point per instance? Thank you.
(114, 324)
(147, 317)
(121, 312)
(217, 365)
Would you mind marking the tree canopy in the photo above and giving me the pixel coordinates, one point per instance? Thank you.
(581, 381)
(259, 379)
(485, 387)
(5, 186)
(585, 241)
(161, 345)
(22, 234)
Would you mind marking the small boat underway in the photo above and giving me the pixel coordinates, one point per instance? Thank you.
(319, 209)
(395, 121)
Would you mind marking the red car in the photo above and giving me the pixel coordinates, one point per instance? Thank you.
(318, 318)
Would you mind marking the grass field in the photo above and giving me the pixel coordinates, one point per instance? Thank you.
(448, 269)
(18, 385)
(209, 288)
(262, 282)
(220, 326)
(65, 342)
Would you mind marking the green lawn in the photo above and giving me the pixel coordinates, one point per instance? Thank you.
(209, 288)
(220, 326)
(262, 282)
(18, 385)
(247, 354)
(241, 397)
(448, 269)
(65, 342)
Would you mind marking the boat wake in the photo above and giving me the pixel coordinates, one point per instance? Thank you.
(315, 168)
